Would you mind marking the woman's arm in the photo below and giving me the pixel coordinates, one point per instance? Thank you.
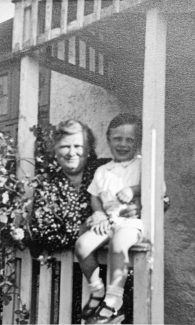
(96, 203)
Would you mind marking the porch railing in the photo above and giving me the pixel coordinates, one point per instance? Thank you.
(47, 292)
(40, 21)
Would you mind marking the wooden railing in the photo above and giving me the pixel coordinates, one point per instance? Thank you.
(39, 21)
(48, 291)
(79, 58)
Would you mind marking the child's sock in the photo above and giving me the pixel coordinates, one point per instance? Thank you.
(97, 290)
(114, 298)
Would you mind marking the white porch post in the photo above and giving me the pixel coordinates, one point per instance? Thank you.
(153, 155)
(28, 115)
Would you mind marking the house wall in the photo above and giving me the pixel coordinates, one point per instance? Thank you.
(179, 160)
(180, 172)
(93, 105)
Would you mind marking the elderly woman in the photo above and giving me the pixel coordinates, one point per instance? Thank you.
(62, 203)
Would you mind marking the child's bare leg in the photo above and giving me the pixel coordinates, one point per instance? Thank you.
(85, 248)
(120, 243)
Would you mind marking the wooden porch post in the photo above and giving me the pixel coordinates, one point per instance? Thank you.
(153, 156)
(28, 112)
(28, 115)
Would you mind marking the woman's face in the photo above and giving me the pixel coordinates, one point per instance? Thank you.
(122, 142)
(71, 153)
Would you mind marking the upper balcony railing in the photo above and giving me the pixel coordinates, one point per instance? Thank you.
(39, 21)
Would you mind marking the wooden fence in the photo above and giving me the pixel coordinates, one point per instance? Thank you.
(48, 291)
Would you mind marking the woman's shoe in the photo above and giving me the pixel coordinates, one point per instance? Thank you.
(116, 317)
(88, 311)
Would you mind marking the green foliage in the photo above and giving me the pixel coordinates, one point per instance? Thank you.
(16, 207)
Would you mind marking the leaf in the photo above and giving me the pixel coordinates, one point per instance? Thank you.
(18, 312)
(6, 299)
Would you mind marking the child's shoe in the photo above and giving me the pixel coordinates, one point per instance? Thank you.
(116, 317)
(88, 311)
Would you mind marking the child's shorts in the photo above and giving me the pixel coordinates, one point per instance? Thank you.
(129, 223)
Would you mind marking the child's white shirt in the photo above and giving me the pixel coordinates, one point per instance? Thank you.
(112, 177)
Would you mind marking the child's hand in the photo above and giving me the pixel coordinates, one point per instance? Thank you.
(125, 195)
(102, 228)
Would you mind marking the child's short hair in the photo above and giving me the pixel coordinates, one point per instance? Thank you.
(124, 119)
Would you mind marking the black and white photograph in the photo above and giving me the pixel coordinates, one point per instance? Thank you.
(97, 162)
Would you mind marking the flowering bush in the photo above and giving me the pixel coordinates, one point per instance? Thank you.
(13, 216)
(14, 206)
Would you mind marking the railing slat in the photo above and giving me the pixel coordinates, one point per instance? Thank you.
(26, 277)
(34, 23)
(116, 5)
(61, 50)
(64, 16)
(48, 17)
(80, 12)
(27, 24)
(97, 9)
(72, 50)
(85, 294)
(8, 310)
(44, 295)
(18, 26)
(66, 285)
(141, 292)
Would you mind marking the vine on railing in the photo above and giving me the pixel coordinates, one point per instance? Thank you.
(16, 209)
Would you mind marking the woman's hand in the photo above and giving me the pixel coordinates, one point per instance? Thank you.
(102, 228)
(133, 210)
(95, 218)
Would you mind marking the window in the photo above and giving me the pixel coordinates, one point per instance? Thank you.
(4, 94)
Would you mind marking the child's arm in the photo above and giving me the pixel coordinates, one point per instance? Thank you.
(96, 203)
(127, 194)
(98, 212)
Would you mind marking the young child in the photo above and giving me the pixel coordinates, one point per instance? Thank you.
(114, 185)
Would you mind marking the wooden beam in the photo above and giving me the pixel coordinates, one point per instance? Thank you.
(153, 154)
(28, 114)
(72, 70)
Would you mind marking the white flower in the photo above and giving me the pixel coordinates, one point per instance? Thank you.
(17, 233)
(39, 159)
(3, 218)
(83, 205)
(3, 170)
(5, 197)
(2, 181)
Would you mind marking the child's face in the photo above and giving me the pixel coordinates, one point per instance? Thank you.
(122, 142)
